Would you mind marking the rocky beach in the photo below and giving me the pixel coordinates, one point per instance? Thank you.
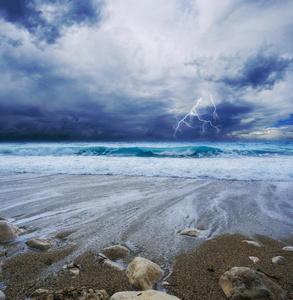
(93, 237)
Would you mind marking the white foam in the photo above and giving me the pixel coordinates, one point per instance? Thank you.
(238, 168)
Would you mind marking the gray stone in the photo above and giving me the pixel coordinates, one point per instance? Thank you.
(106, 262)
(192, 233)
(253, 243)
(146, 295)
(279, 260)
(116, 252)
(254, 259)
(8, 231)
(241, 283)
(2, 296)
(40, 244)
(143, 273)
(288, 248)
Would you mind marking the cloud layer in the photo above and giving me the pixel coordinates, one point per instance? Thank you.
(130, 70)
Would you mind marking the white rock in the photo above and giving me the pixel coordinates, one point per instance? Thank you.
(74, 271)
(8, 231)
(2, 296)
(40, 244)
(146, 295)
(143, 273)
(116, 252)
(279, 260)
(165, 283)
(288, 248)
(243, 283)
(254, 259)
(253, 243)
(192, 233)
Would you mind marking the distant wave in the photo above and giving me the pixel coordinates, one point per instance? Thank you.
(171, 150)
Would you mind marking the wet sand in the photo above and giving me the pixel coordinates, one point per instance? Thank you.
(82, 214)
(195, 275)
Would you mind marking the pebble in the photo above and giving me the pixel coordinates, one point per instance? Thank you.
(192, 233)
(279, 260)
(2, 296)
(288, 248)
(8, 231)
(253, 243)
(40, 244)
(116, 252)
(146, 295)
(254, 259)
(105, 261)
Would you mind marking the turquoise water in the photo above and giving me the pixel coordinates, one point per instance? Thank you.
(240, 161)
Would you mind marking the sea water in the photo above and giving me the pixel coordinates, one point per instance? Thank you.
(239, 161)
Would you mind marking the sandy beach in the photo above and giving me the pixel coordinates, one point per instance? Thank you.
(82, 214)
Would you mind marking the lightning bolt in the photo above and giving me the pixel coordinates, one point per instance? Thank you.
(187, 120)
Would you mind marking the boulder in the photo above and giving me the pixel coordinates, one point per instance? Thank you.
(70, 293)
(2, 296)
(279, 260)
(147, 295)
(8, 231)
(241, 283)
(40, 244)
(288, 248)
(116, 252)
(143, 273)
(192, 233)
(253, 243)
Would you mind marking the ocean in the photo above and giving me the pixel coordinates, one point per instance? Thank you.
(234, 161)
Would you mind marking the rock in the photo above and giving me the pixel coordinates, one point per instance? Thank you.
(192, 233)
(288, 248)
(111, 264)
(254, 259)
(165, 283)
(243, 283)
(3, 219)
(41, 294)
(147, 295)
(40, 244)
(2, 296)
(70, 293)
(74, 271)
(116, 252)
(143, 273)
(8, 231)
(253, 243)
(279, 260)
(73, 268)
(104, 261)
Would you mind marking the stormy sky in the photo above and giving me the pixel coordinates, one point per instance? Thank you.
(132, 69)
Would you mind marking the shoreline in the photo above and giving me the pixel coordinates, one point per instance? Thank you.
(83, 214)
(194, 275)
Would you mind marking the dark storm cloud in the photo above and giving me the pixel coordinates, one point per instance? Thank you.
(260, 72)
(29, 14)
(86, 121)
